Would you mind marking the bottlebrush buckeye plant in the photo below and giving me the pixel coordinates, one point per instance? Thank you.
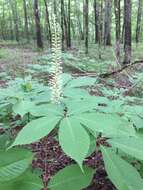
(79, 120)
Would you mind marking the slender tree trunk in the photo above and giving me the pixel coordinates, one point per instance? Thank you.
(26, 20)
(107, 22)
(100, 26)
(69, 23)
(123, 33)
(48, 21)
(96, 15)
(86, 25)
(139, 19)
(11, 27)
(55, 7)
(128, 33)
(117, 4)
(3, 23)
(73, 29)
(79, 20)
(15, 18)
(101, 21)
(83, 23)
(65, 24)
(62, 25)
(37, 25)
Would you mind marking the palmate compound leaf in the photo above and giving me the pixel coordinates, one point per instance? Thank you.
(47, 109)
(75, 93)
(111, 125)
(80, 106)
(130, 145)
(74, 139)
(82, 81)
(66, 78)
(28, 181)
(71, 178)
(36, 129)
(123, 175)
(88, 103)
(22, 107)
(14, 163)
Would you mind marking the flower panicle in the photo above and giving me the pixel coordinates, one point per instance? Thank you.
(56, 68)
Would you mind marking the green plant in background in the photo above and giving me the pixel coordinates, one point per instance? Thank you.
(3, 53)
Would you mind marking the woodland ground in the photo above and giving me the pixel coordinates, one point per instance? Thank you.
(20, 61)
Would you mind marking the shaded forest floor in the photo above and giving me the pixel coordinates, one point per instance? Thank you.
(18, 62)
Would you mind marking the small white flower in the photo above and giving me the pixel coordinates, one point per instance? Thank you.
(56, 68)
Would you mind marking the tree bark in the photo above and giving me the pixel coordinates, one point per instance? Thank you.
(128, 33)
(107, 23)
(48, 21)
(86, 25)
(37, 25)
(139, 19)
(79, 21)
(117, 5)
(69, 23)
(55, 8)
(100, 26)
(96, 17)
(26, 20)
(62, 25)
(15, 18)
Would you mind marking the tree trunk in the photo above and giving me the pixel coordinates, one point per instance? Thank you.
(15, 18)
(55, 8)
(100, 26)
(65, 24)
(86, 25)
(79, 21)
(62, 25)
(69, 23)
(118, 30)
(107, 22)
(127, 37)
(37, 25)
(139, 19)
(48, 21)
(26, 20)
(96, 15)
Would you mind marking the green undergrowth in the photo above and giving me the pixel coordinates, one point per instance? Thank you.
(90, 108)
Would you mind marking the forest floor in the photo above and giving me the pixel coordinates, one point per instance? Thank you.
(18, 61)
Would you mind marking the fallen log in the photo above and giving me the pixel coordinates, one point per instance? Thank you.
(107, 74)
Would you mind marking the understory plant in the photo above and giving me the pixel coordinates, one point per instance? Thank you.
(80, 120)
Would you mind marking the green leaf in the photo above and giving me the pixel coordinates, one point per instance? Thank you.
(130, 145)
(47, 109)
(28, 181)
(138, 121)
(74, 139)
(13, 163)
(71, 178)
(111, 125)
(114, 106)
(36, 130)
(123, 175)
(135, 110)
(92, 147)
(82, 81)
(43, 97)
(22, 107)
(76, 107)
(66, 78)
(4, 140)
(75, 93)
